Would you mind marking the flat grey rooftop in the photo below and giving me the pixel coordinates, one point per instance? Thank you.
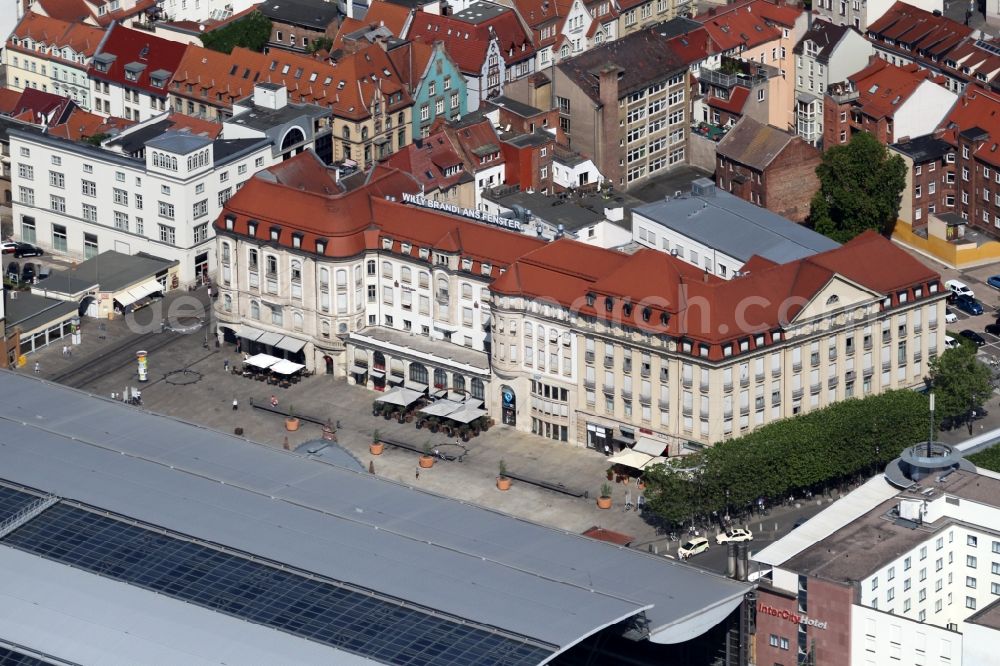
(181, 143)
(480, 12)
(111, 270)
(424, 345)
(30, 311)
(574, 212)
(735, 227)
(262, 118)
(494, 570)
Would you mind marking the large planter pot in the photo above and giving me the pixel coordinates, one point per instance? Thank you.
(426, 461)
(376, 448)
(603, 502)
(291, 424)
(434, 427)
(503, 483)
(409, 418)
(420, 424)
(386, 416)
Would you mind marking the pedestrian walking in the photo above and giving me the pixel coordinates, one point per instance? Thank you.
(69, 352)
(65, 348)
(225, 365)
(274, 401)
(640, 503)
(38, 367)
(418, 473)
(236, 404)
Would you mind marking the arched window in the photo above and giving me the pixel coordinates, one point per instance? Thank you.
(364, 133)
(541, 336)
(324, 278)
(387, 269)
(478, 390)
(466, 290)
(227, 303)
(346, 132)
(418, 372)
(225, 253)
(296, 270)
(425, 279)
(442, 288)
(371, 267)
(297, 321)
(405, 274)
(458, 382)
(324, 328)
(341, 278)
(553, 335)
(254, 310)
(440, 378)
(564, 52)
(528, 329)
(357, 276)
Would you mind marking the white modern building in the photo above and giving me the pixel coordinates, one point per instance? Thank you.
(718, 232)
(203, 10)
(150, 189)
(904, 570)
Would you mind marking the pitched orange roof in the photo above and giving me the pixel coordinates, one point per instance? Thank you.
(432, 161)
(72, 11)
(882, 87)
(53, 33)
(410, 60)
(82, 124)
(390, 15)
(747, 24)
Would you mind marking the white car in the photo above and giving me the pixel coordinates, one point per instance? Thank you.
(949, 316)
(959, 288)
(737, 534)
(8, 247)
(693, 547)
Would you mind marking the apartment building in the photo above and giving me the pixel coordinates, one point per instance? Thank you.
(50, 55)
(768, 167)
(437, 167)
(297, 24)
(826, 54)
(886, 101)
(901, 570)
(860, 14)
(130, 72)
(635, 15)
(434, 81)
(421, 295)
(626, 105)
(545, 18)
(765, 33)
(153, 188)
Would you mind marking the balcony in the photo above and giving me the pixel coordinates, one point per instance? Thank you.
(745, 381)
(886, 366)
(745, 410)
(776, 372)
(868, 372)
(796, 366)
(797, 393)
(644, 372)
(832, 354)
(609, 389)
(814, 359)
(687, 382)
(626, 393)
(832, 382)
(703, 414)
(849, 377)
(732, 73)
(727, 387)
(609, 362)
(589, 383)
(627, 366)
(664, 405)
(917, 356)
(588, 357)
(868, 344)
(814, 388)
(645, 399)
(687, 411)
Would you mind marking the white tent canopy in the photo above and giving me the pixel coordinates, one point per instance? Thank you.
(401, 396)
(649, 446)
(635, 459)
(467, 414)
(284, 367)
(441, 408)
(262, 361)
(270, 338)
(290, 344)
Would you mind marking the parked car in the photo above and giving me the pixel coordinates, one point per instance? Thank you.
(693, 547)
(28, 273)
(13, 271)
(993, 281)
(736, 534)
(949, 316)
(959, 288)
(950, 342)
(43, 271)
(968, 305)
(27, 250)
(993, 329)
(8, 247)
(971, 335)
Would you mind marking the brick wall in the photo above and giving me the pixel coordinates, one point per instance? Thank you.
(790, 181)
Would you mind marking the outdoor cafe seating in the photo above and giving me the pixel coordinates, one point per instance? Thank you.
(273, 370)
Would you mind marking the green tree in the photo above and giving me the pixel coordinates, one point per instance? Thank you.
(960, 381)
(321, 44)
(860, 188)
(251, 32)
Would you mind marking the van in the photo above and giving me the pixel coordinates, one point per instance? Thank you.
(950, 342)
(959, 288)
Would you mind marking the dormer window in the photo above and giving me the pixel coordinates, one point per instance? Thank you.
(609, 304)
(646, 313)
(320, 246)
(230, 221)
(252, 228)
(405, 248)
(386, 243)
(590, 299)
(627, 309)
(296, 240)
(664, 318)
(486, 269)
(425, 253)
(275, 233)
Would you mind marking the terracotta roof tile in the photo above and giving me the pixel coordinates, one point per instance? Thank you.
(428, 160)
(882, 87)
(466, 42)
(388, 14)
(919, 30)
(753, 143)
(73, 11)
(139, 47)
(747, 24)
(52, 32)
(734, 104)
(82, 124)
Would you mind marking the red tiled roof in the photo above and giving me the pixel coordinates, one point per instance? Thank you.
(919, 30)
(747, 24)
(977, 107)
(539, 12)
(466, 43)
(347, 26)
(391, 15)
(118, 15)
(82, 124)
(135, 46)
(55, 33)
(882, 87)
(72, 11)
(737, 100)
(40, 108)
(427, 160)
(601, 534)
(8, 101)
(213, 73)
(180, 122)
(469, 137)
(410, 61)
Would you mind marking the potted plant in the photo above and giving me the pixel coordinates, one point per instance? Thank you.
(604, 500)
(611, 472)
(291, 422)
(503, 481)
(427, 460)
(376, 447)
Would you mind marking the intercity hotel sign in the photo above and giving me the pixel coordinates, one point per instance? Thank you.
(472, 213)
(795, 618)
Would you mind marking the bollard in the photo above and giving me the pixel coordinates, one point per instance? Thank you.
(649, 548)
(656, 550)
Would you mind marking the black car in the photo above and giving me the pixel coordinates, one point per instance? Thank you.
(13, 271)
(28, 273)
(27, 250)
(973, 336)
(993, 329)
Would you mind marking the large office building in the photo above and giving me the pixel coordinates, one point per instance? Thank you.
(574, 342)
(189, 546)
(903, 570)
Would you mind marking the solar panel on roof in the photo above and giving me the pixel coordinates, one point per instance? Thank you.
(12, 501)
(9, 657)
(336, 615)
